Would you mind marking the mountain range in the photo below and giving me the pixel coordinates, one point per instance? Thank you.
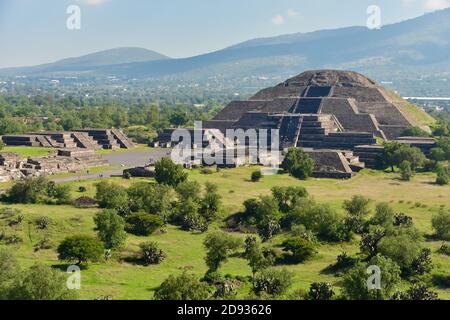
(418, 46)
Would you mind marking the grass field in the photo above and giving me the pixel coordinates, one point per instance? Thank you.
(419, 198)
(26, 152)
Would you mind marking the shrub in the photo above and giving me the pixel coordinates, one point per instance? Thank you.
(298, 164)
(444, 249)
(441, 225)
(421, 265)
(358, 205)
(210, 203)
(111, 195)
(143, 224)
(28, 191)
(402, 246)
(81, 249)
(256, 175)
(289, 197)
(414, 132)
(43, 222)
(182, 287)
(354, 284)
(152, 198)
(417, 292)
(218, 246)
(82, 189)
(324, 221)
(43, 244)
(169, 173)
(59, 192)
(320, 291)
(150, 253)
(41, 282)
(272, 282)
(9, 212)
(406, 172)
(110, 228)
(443, 176)
(413, 155)
(300, 249)
(206, 171)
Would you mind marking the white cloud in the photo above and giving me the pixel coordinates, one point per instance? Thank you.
(278, 20)
(92, 2)
(292, 13)
(437, 4)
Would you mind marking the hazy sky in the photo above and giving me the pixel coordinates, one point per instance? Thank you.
(34, 31)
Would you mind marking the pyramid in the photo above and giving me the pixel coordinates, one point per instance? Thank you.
(319, 109)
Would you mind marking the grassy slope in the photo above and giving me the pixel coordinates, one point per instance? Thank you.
(127, 281)
(414, 114)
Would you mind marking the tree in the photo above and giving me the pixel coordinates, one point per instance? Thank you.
(401, 245)
(169, 173)
(143, 224)
(355, 286)
(298, 164)
(417, 292)
(9, 270)
(151, 198)
(358, 205)
(81, 249)
(111, 196)
(151, 253)
(218, 246)
(210, 203)
(371, 239)
(273, 282)
(384, 215)
(323, 220)
(320, 291)
(110, 228)
(388, 157)
(414, 132)
(421, 265)
(255, 255)
(256, 176)
(443, 176)
(357, 209)
(411, 154)
(41, 282)
(406, 172)
(264, 214)
(182, 287)
(300, 249)
(32, 190)
(441, 225)
(61, 193)
(288, 197)
(188, 190)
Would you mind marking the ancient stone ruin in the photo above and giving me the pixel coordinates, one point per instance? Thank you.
(12, 167)
(335, 116)
(86, 139)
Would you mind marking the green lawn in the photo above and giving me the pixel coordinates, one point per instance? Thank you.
(419, 198)
(26, 152)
